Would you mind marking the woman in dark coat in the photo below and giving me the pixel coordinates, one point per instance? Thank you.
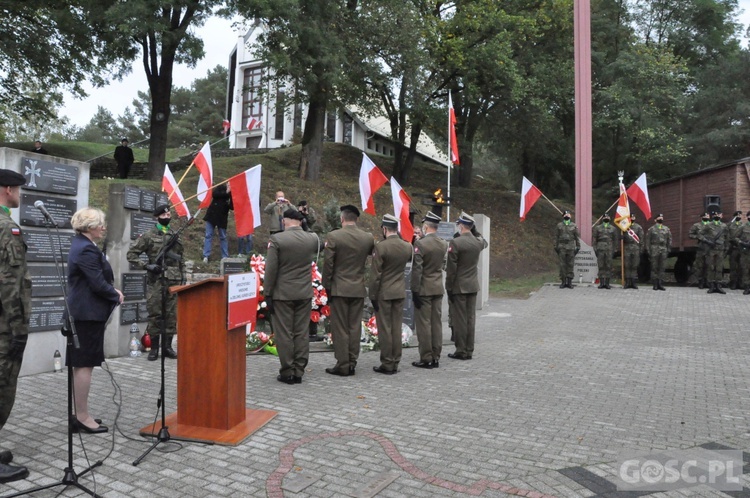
(91, 299)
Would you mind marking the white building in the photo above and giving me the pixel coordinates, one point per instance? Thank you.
(275, 127)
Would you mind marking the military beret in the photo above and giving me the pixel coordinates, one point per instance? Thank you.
(161, 209)
(389, 221)
(465, 219)
(432, 217)
(10, 178)
(605, 216)
(714, 213)
(293, 214)
(705, 215)
(737, 213)
(350, 208)
(566, 212)
(659, 216)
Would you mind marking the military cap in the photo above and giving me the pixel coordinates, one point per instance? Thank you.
(714, 213)
(605, 216)
(293, 214)
(705, 215)
(10, 178)
(161, 209)
(566, 212)
(737, 213)
(465, 219)
(432, 217)
(632, 216)
(659, 216)
(389, 221)
(350, 208)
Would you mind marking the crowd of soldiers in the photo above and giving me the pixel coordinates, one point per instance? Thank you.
(716, 241)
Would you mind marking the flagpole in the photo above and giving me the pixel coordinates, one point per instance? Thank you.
(601, 216)
(553, 204)
(214, 185)
(450, 161)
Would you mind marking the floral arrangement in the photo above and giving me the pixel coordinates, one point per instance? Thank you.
(370, 340)
(320, 309)
(258, 264)
(256, 340)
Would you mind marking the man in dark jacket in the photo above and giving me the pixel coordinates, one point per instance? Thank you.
(124, 158)
(216, 220)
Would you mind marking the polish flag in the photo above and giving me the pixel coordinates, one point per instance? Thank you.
(401, 203)
(206, 180)
(169, 185)
(253, 123)
(529, 195)
(639, 193)
(370, 180)
(452, 131)
(245, 189)
(622, 218)
(225, 126)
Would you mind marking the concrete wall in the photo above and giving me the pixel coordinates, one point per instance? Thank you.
(483, 226)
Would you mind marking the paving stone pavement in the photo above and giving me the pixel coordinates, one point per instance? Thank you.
(559, 386)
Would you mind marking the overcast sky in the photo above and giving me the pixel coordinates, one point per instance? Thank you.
(219, 37)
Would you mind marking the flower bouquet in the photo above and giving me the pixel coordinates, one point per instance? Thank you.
(256, 341)
(370, 341)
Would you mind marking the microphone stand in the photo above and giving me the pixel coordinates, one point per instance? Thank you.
(163, 435)
(70, 476)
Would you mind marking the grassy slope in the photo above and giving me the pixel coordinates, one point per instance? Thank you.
(86, 151)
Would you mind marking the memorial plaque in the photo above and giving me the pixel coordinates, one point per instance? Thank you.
(45, 281)
(140, 223)
(131, 198)
(161, 198)
(134, 286)
(60, 209)
(446, 230)
(40, 248)
(142, 312)
(148, 200)
(48, 176)
(233, 265)
(585, 265)
(143, 257)
(46, 314)
(128, 313)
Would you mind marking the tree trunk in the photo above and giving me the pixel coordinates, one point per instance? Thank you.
(412, 152)
(312, 139)
(159, 124)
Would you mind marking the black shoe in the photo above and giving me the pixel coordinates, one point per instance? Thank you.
(601, 284)
(170, 353)
(632, 284)
(351, 370)
(710, 288)
(297, 380)
(435, 364)
(732, 286)
(569, 283)
(288, 379)
(381, 370)
(79, 427)
(718, 289)
(458, 356)
(747, 291)
(6, 457)
(701, 285)
(564, 283)
(422, 364)
(336, 371)
(153, 355)
(606, 284)
(10, 473)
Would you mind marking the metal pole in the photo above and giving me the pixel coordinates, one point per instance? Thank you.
(450, 161)
(582, 28)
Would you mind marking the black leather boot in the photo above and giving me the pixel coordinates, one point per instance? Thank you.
(719, 290)
(601, 283)
(632, 284)
(168, 351)
(661, 287)
(564, 283)
(569, 283)
(606, 284)
(747, 291)
(701, 283)
(9, 473)
(656, 284)
(710, 288)
(153, 355)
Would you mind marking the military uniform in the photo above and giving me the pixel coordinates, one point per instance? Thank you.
(15, 296)
(462, 285)
(604, 240)
(632, 254)
(698, 274)
(173, 266)
(713, 236)
(346, 251)
(734, 252)
(276, 212)
(388, 289)
(743, 242)
(567, 245)
(288, 284)
(427, 291)
(658, 245)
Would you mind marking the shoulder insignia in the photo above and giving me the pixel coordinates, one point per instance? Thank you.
(15, 231)
(450, 248)
(416, 249)
(269, 244)
(326, 244)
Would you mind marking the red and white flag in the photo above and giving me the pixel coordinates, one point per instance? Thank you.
(174, 196)
(245, 189)
(622, 218)
(225, 126)
(639, 193)
(370, 180)
(401, 203)
(452, 131)
(529, 195)
(253, 123)
(206, 180)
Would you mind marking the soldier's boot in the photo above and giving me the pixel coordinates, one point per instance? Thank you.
(626, 284)
(747, 291)
(701, 283)
(168, 351)
(661, 287)
(732, 285)
(718, 288)
(601, 283)
(153, 355)
(710, 288)
(564, 283)
(569, 283)
(606, 284)
(632, 284)
(656, 284)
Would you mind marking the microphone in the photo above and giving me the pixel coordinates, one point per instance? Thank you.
(40, 206)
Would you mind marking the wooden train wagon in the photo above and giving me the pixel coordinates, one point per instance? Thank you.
(682, 201)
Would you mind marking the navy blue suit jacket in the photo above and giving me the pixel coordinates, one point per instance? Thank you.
(91, 295)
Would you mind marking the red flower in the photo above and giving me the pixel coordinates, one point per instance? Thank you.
(315, 316)
(325, 311)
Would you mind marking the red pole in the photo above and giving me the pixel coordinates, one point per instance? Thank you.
(582, 46)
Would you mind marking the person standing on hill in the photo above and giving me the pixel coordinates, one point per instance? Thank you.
(658, 245)
(567, 245)
(605, 235)
(276, 210)
(632, 253)
(124, 158)
(216, 218)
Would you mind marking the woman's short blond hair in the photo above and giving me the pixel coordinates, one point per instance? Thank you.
(86, 219)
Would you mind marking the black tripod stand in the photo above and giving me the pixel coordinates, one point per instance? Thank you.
(70, 476)
(163, 435)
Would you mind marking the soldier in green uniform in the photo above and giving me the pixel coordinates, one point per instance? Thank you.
(567, 245)
(743, 242)
(346, 252)
(172, 265)
(427, 292)
(604, 241)
(462, 284)
(713, 236)
(388, 292)
(632, 253)
(734, 252)
(658, 245)
(288, 291)
(15, 296)
(699, 265)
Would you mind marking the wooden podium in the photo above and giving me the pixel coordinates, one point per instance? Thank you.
(211, 370)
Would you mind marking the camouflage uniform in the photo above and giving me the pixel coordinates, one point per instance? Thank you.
(632, 253)
(567, 245)
(150, 243)
(658, 245)
(604, 237)
(15, 296)
(699, 265)
(743, 242)
(713, 236)
(734, 252)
